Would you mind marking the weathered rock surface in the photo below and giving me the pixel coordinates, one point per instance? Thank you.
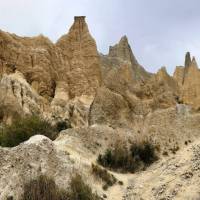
(121, 55)
(80, 51)
(64, 75)
(35, 157)
(74, 60)
(37, 58)
(18, 98)
(110, 107)
(188, 78)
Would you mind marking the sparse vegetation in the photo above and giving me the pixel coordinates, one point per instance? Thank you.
(129, 159)
(44, 188)
(120, 183)
(174, 149)
(144, 151)
(80, 190)
(62, 125)
(165, 153)
(22, 129)
(104, 175)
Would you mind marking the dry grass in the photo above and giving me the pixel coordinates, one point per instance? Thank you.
(124, 158)
(22, 129)
(44, 188)
(79, 190)
(102, 174)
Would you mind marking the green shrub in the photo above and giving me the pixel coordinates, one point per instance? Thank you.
(144, 151)
(80, 191)
(43, 188)
(117, 158)
(124, 159)
(62, 125)
(22, 129)
(104, 175)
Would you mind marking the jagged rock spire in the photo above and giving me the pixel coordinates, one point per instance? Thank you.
(80, 52)
(187, 59)
(123, 50)
(121, 55)
(194, 62)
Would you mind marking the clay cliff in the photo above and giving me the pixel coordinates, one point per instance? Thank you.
(188, 77)
(62, 74)
(72, 79)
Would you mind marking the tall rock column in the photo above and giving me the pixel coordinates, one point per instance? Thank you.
(80, 50)
(188, 78)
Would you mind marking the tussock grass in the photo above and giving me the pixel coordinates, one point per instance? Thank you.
(44, 188)
(102, 174)
(22, 129)
(124, 158)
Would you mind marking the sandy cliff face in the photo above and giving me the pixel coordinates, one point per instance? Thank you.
(74, 60)
(188, 78)
(65, 75)
(68, 74)
(121, 55)
(80, 51)
(37, 58)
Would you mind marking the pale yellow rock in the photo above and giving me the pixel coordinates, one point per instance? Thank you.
(79, 49)
(188, 78)
(17, 98)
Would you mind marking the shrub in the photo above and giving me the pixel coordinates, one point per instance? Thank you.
(43, 188)
(22, 129)
(144, 151)
(104, 175)
(123, 159)
(62, 125)
(117, 158)
(80, 191)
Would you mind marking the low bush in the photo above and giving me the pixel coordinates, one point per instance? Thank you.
(43, 188)
(104, 175)
(80, 191)
(22, 129)
(62, 125)
(144, 151)
(129, 159)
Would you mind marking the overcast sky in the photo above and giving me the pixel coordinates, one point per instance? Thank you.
(159, 31)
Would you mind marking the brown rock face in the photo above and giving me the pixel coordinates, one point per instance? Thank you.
(37, 58)
(121, 55)
(80, 51)
(65, 74)
(188, 60)
(188, 78)
(74, 60)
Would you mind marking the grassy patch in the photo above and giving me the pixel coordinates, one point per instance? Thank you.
(22, 129)
(44, 188)
(80, 190)
(104, 175)
(129, 159)
(63, 125)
